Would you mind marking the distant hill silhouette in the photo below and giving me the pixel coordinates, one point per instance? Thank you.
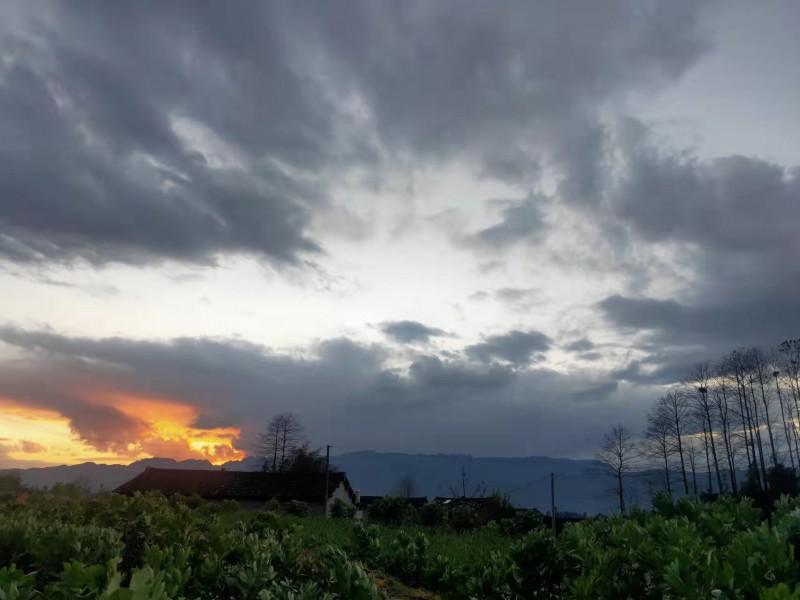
(580, 487)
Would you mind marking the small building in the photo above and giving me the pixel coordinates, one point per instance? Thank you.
(487, 509)
(417, 502)
(251, 489)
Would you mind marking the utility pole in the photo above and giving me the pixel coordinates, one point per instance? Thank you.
(553, 502)
(327, 475)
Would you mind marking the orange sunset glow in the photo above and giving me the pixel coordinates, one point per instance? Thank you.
(37, 437)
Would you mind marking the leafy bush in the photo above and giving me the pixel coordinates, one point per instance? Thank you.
(340, 510)
(392, 510)
(499, 506)
(297, 508)
(522, 523)
(148, 547)
(273, 505)
(433, 514)
(463, 518)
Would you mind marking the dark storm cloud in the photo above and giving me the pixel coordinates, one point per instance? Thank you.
(407, 332)
(344, 392)
(516, 347)
(733, 205)
(733, 222)
(151, 131)
(767, 318)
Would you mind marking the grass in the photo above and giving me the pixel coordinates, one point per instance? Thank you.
(468, 547)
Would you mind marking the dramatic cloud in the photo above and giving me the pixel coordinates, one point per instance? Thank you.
(493, 170)
(516, 347)
(342, 391)
(407, 332)
(147, 132)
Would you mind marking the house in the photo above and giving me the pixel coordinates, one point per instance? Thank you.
(417, 503)
(487, 509)
(251, 489)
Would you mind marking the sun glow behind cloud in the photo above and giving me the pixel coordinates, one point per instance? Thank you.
(35, 437)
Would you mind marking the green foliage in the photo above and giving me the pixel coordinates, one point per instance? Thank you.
(499, 506)
(522, 523)
(392, 510)
(433, 514)
(10, 485)
(340, 510)
(273, 505)
(297, 508)
(66, 545)
(463, 518)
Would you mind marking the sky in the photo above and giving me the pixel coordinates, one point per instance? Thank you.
(495, 229)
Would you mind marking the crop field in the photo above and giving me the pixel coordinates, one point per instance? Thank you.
(67, 545)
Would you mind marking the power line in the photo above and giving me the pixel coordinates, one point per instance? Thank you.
(522, 487)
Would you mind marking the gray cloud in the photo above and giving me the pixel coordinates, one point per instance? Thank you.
(516, 347)
(407, 332)
(598, 392)
(731, 222)
(520, 221)
(343, 391)
(582, 345)
(718, 325)
(150, 132)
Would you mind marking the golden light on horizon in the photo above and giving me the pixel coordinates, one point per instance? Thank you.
(40, 437)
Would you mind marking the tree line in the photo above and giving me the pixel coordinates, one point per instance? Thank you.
(284, 449)
(737, 416)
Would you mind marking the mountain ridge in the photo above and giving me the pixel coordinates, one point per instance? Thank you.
(579, 485)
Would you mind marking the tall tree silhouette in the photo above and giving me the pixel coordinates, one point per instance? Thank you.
(617, 453)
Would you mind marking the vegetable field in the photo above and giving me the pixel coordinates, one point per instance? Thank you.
(62, 545)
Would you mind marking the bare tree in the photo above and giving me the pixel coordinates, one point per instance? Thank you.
(464, 489)
(787, 384)
(617, 453)
(692, 455)
(790, 363)
(677, 408)
(658, 443)
(283, 436)
(761, 375)
(699, 382)
(740, 365)
(720, 394)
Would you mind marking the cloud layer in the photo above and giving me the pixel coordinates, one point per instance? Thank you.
(347, 392)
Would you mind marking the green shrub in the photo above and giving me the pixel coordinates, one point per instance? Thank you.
(392, 510)
(463, 518)
(433, 514)
(273, 505)
(297, 508)
(500, 507)
(522, 523)
(228, 506)
(340, 510)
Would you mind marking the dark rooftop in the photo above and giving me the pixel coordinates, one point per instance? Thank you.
(235, 485)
